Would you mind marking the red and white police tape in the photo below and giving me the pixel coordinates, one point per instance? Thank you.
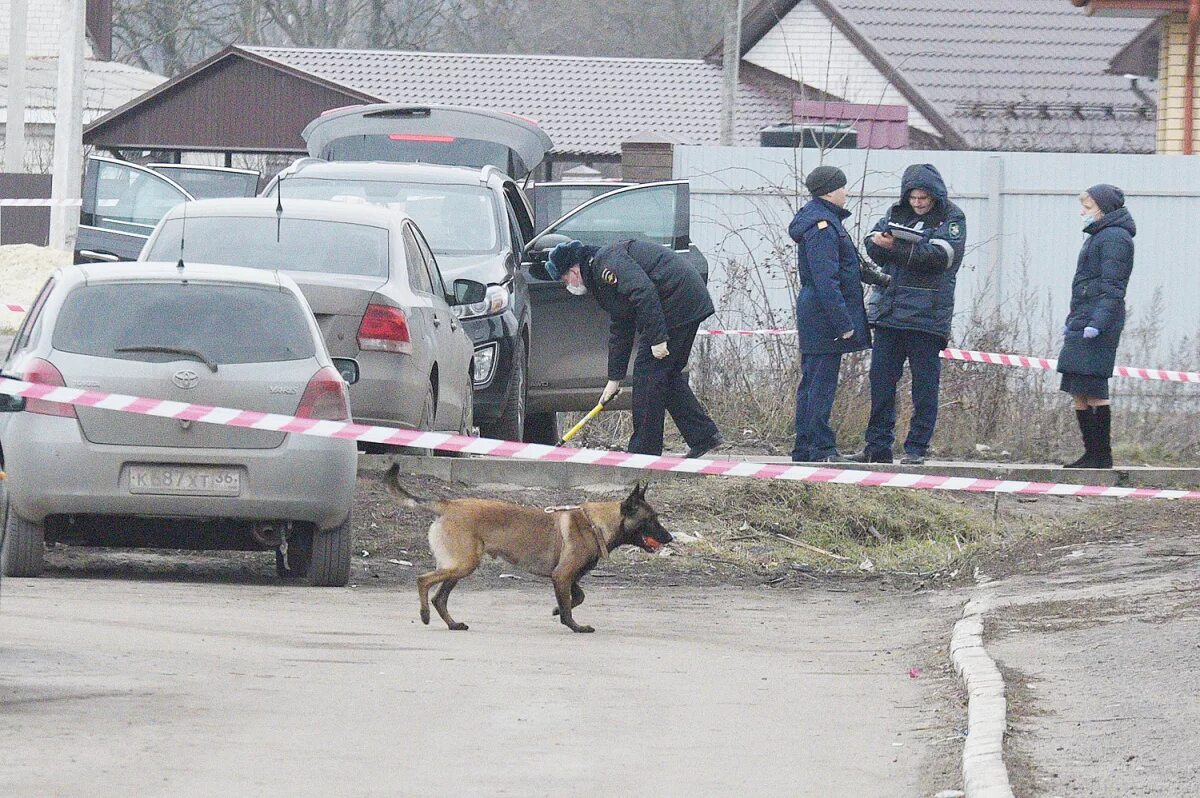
(38, 203)
(530, 451)
(965, 355)
(996, 359)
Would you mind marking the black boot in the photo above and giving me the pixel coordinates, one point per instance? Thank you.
(1087, 426)
(1103, 433)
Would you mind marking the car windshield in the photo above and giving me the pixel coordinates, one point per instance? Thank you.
(262, 242)
(456, 220)
(155, 322)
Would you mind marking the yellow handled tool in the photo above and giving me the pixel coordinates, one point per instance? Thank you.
(595, 411)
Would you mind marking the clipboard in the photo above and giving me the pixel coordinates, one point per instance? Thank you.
(910, 234)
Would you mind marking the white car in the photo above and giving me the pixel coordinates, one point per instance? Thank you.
(202, 334)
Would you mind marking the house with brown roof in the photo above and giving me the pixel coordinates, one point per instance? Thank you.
(1164, 51)
(258, 99)
(1028, 75)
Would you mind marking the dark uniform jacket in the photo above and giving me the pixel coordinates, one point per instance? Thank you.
(1098, 296)
(647, 289)
(831, 297)
(921, 294)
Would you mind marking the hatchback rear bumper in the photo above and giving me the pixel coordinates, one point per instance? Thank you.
(53, 470)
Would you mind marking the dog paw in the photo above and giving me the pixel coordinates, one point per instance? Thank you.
(584, 629)
(459, 627)
(425, 617)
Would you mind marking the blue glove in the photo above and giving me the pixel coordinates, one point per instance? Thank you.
(1090, 332)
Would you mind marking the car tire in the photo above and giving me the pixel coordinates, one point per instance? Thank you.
(542, 428)
(466, 426)
(428, 416)
(23, 553)
(299, 555)
(511, 424)
(330, 564)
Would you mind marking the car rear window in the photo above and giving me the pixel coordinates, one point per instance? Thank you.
(456, 220)
(297, 245)
(223, 323)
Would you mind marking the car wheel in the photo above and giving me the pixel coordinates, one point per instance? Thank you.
(24, 545)
(299, 555)
(428, 415)
(330, 564)
(542, 428)
(466, 426)
(511, 424)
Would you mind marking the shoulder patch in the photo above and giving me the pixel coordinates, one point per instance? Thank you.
(608, 277)
(821, 225)
(954, 230)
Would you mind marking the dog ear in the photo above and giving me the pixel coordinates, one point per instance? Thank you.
(630, 503)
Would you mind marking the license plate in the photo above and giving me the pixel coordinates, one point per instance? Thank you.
(185, 480)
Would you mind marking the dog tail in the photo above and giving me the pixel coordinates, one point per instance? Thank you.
(392, 481)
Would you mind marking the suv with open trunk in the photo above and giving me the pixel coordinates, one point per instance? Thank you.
(538, 350)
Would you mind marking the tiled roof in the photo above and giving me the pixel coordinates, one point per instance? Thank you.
(586, 105)
(107, 85)
(1004, 74)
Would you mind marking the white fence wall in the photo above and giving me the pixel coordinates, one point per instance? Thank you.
(1023, 224)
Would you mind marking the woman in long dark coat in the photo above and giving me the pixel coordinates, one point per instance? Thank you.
(1093, 328)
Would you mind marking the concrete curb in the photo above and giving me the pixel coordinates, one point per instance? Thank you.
(984, 773)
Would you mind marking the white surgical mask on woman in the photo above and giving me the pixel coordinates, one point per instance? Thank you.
(577, 290)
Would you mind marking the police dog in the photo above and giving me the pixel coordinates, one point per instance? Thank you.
(563, 544)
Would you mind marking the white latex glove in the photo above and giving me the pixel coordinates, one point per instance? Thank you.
(659, 350)
(610, 390)
(847, 334)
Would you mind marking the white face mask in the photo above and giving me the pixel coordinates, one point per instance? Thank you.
(577, 290)
(1088, 219)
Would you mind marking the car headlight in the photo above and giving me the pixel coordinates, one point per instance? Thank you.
(485, 364)
(495, 301)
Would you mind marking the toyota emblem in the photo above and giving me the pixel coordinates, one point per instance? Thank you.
(185, 378)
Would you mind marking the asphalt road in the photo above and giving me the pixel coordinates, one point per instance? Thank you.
(222, 684)
(1100, 653)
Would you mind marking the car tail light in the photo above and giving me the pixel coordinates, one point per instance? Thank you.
(326, 397)
(421, 137)
(43, 372)
(384, 329)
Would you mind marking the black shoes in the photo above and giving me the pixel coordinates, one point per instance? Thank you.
(870, 456)
(1095, 424)
(701, 449)
(913, 459)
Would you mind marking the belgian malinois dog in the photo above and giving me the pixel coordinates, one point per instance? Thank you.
(562, 543)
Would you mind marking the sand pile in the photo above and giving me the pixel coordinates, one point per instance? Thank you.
(23, 271)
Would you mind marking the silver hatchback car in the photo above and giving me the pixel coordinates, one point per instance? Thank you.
(202, 334)
(373, 284)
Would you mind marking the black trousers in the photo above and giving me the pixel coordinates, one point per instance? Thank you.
(660, 387)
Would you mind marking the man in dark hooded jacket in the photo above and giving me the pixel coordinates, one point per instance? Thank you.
(912, 314)
(647, 290)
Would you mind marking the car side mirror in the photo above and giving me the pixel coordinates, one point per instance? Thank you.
(348, 368)
(467, 292)
(11, 404)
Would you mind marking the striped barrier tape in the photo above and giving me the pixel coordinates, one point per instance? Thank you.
(15, 308)
(38, 203)
(997, 359)
(531, 451)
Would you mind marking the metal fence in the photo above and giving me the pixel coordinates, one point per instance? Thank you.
(1024, 229)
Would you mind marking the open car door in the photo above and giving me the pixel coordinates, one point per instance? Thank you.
(568, 357)
(436, 134)
(122, 201)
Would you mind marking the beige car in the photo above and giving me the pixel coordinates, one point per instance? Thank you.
(201, 334)
(373, 284)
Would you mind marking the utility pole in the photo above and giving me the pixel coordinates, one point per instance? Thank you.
(14, 125)
(68, 129)
(730, 63)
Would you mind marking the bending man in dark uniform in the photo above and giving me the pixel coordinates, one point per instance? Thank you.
(649, 290)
